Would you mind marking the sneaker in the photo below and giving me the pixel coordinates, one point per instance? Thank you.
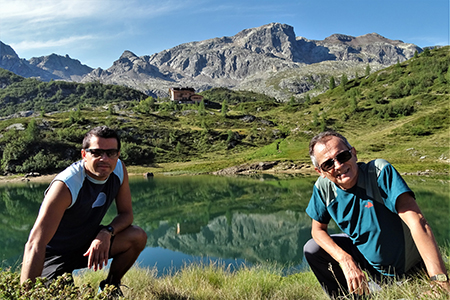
(115, 293)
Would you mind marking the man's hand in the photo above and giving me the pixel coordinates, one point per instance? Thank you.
(356, 278)
(98, 252)
(441, 286)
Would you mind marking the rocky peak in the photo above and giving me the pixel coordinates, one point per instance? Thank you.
(128, 55)
(275, 39)
(63, 67)
(7, 52)
(10, 61)
(125, 61)
(46, 68)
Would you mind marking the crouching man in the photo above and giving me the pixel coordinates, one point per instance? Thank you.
(67, 234)
(384, 231)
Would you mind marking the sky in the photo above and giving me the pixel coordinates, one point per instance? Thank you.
(97, 32)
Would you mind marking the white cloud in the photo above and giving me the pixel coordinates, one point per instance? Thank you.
(25, 19)
(44, 10)
(49, 10)
(51, 44)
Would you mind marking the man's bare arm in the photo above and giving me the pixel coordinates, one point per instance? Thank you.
(423, 237)
(56, 201)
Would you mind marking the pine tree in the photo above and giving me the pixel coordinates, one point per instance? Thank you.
(332, 83)
(201, 108)
(368, 70)
(224, 108)
(344, 80)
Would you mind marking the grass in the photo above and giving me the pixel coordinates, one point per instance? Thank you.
(215, 281)
(209, 281)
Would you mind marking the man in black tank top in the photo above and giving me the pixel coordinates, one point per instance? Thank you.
(67, 234)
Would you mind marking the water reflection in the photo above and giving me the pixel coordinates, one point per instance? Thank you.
(234, 219)
(202, 218)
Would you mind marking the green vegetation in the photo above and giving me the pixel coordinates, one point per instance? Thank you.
(212, 281)
(400, 113)
(23, 94)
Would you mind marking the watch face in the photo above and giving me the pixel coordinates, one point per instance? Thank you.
(110, 229)
(441, 277)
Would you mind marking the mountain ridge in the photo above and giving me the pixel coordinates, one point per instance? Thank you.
(249, 60)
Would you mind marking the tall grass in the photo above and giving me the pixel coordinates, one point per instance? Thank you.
(216, 281)
(209, 281)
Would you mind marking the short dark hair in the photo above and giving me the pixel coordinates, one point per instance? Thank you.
(323, 137)
(102, 132)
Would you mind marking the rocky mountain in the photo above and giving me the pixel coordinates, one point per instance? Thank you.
(253, 237)
(268, 59)
(253, 59)
(62, 67)
(9, 60)
(46, 68)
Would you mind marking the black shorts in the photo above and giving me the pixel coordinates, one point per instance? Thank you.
(56, 264)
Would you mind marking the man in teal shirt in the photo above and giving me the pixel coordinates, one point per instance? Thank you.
(384, 231)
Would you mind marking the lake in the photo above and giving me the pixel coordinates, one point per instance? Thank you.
(230, 220)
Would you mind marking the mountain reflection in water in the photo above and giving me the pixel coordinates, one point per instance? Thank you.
(234, 221)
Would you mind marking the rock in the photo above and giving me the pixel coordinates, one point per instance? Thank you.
(16, 126)
(32, 174)
(246, 168)
(148, 175)
(248, 118)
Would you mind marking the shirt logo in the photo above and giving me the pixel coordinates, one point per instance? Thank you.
(100, 201)
(369, 205)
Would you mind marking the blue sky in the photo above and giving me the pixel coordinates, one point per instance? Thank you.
(97, 32)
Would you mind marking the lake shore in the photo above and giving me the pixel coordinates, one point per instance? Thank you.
(275, 168)
(272, 167)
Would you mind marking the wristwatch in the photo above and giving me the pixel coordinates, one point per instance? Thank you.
(110, 229)
(439, 277)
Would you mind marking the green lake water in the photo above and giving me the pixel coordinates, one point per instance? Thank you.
(233, 220)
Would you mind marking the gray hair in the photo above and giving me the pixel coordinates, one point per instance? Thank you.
(321, 138)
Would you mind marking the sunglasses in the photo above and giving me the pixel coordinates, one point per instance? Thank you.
(342, 157)
(111, 153)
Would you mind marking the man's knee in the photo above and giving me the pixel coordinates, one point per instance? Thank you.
(310, 248)
(137, 236)
(141, 237)
(133, 237)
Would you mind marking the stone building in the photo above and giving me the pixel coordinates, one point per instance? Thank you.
(184, 95)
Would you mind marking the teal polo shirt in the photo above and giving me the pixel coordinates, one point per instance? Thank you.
(367, 214)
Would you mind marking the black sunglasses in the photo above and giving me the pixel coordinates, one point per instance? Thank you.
(99, 152)
(342, 157)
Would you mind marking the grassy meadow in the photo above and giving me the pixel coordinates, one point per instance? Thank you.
(208, 282)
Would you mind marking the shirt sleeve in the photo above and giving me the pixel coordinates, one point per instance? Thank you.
(391, 186)
(317, 209)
